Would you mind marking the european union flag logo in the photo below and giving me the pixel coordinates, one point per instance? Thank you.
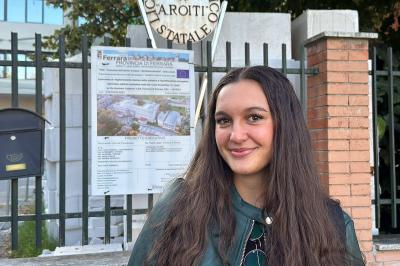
(182, 74)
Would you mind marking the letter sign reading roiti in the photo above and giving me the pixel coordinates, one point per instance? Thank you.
(183, 20)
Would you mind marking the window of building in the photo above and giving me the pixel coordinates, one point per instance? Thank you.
(23, 72)
(1, 9)
(34, 11)
(30, 71)
(53, 15)
(16, 10)
(2, 68)
(7, 71)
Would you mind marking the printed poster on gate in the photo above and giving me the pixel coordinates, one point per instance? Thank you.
(142, 111)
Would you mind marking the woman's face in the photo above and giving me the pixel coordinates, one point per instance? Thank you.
(244, 128)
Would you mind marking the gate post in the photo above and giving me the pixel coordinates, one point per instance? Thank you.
(338, 119)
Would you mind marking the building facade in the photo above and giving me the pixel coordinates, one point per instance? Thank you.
(25, 17)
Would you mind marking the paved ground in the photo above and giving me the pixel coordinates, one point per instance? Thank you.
(98, 259)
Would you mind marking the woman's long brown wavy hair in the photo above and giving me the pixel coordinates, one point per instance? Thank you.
(302, 232)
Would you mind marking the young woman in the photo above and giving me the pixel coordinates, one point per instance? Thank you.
(252, 194)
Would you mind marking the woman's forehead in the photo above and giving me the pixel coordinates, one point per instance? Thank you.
(241, 94)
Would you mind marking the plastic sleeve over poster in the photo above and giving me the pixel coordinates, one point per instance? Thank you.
(142, 109)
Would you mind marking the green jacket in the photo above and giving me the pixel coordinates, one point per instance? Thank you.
(245, 215)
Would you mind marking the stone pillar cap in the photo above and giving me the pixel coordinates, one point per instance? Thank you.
(337, 34)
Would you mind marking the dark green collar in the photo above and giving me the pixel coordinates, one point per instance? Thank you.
(245, 208)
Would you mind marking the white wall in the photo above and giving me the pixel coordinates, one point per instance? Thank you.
(312, 22)
(26, 33)
(237, 28)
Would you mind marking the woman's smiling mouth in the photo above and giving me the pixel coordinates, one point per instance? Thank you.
(241, 152)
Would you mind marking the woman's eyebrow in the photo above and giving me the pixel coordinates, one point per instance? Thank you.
(256, 108)
(220, 113)
(249, 109)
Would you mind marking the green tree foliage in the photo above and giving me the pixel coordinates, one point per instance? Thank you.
(100, 18)
(389, 27)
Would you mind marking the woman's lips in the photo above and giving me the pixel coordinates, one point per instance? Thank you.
(242, 152)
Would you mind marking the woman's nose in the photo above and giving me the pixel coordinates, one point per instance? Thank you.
(238, 133)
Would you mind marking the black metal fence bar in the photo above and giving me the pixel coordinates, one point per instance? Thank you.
(25, 52)
(385, 73)
(129, 196)
(150, 197)
(129, 217)
(391, 139)
(14, 214)
(61, 65)
(85, 142)
(38, 73)
(107, 219)
(284, 62)
(265, 53)
(228, 56)
(38, 109)
(107, 198)
(150, 202)
(246, 54)
(375, 140)
(303, 86)
(14, 103)
(169, 44)
(209, 77)
(72, 215)
(62, 144)
(14, 69)
(189, 46)
(293, 71)
(46, 64)
(389, 201)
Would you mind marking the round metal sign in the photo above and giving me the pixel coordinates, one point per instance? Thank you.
(183, 20)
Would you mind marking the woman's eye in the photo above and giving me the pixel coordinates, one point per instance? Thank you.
(255, 117)
(222, 121)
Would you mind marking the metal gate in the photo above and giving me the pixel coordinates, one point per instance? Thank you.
(39, 64)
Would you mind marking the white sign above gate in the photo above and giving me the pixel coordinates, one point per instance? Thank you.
(183, 20)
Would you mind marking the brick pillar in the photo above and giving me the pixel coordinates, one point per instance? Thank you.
(338, 121)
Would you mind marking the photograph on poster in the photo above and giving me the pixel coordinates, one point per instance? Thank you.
(143, 115)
